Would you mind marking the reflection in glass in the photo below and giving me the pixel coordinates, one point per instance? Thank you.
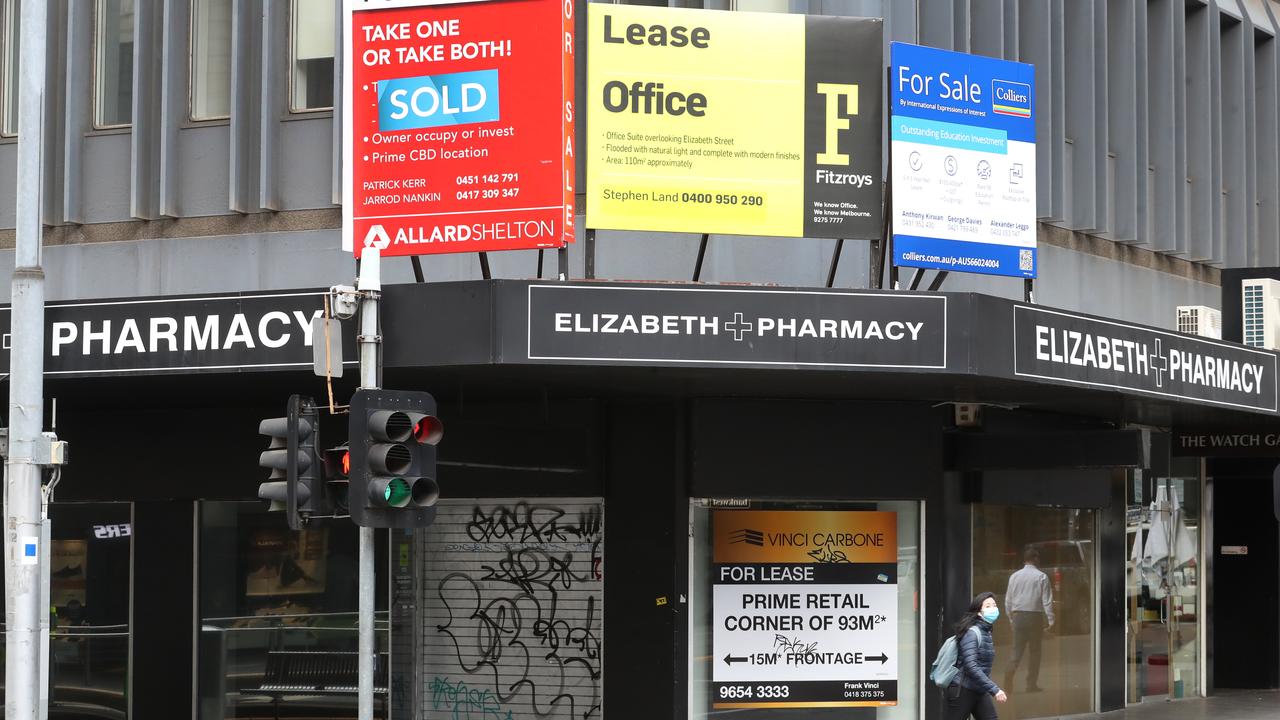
(1163, 540)
(278, 621)
(113, 67)
(1040, 563)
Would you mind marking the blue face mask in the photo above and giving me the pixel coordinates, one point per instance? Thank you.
(991, 614)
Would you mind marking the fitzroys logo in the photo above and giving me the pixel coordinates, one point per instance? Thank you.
(837, 121)
(377, 237)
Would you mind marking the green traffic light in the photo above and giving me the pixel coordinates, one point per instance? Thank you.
(397, 493)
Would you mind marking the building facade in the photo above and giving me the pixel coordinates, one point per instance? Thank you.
(191, 191)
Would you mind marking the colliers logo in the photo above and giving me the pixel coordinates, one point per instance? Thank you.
(1011, 98)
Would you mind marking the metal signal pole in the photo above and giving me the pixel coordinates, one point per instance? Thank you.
(24, 550)
(370, 286)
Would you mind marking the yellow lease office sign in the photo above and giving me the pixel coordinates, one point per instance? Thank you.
(733, 122)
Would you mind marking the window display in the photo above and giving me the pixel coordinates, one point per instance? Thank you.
(804, 606)
(275, 602)
(1039, 561)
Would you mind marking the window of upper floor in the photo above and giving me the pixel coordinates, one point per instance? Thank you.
(210, 59)
(113, 63)
(9, 68)
(312, 31)
(778, 6)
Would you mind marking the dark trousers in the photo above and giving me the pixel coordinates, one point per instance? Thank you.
(961, 702)
(1028, 632)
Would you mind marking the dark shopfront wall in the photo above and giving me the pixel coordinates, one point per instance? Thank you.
(645, 456)
(164, 443)
(1244, 642)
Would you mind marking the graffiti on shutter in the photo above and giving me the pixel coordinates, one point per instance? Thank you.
(513, 605)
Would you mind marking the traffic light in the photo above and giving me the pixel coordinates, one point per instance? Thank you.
(337, 471)
(392, 440)
(296, 484)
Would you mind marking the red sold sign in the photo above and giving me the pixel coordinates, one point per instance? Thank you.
(458, 125)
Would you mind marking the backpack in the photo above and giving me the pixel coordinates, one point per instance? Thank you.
(946, 666)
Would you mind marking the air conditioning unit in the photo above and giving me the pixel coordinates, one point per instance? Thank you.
(1260, 312)
(1200, 320)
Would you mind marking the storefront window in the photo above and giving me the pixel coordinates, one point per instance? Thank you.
(278, 616)
(1040, 561)
(90, 551)
(1163, 533)
(804, 606)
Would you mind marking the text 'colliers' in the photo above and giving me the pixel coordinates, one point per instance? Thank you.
(652, 98)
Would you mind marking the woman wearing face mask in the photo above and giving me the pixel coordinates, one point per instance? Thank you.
(973, 689)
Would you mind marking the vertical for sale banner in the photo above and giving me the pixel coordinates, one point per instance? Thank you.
(458, 125)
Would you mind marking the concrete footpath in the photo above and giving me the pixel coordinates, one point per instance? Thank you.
(1225, 705)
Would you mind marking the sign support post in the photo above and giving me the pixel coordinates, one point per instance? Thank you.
(835, 261)
(702, 254)
(25, 550)
(370, 345)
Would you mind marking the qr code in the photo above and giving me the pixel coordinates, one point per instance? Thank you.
(1026, 260)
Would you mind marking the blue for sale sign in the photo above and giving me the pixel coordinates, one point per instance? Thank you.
(962, 132)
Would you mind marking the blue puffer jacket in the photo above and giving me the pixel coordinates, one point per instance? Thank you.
(976, 658)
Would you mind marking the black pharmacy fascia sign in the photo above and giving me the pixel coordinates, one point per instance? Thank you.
(182, 334)
(1081, 350)
(716, 327)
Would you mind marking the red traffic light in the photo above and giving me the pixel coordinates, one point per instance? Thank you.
(337, 463)
(428, 430)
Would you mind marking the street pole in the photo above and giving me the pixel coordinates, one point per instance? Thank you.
(25, 551)
(369, 285)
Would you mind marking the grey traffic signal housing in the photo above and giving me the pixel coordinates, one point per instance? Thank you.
(392, 443)
(296, 484)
